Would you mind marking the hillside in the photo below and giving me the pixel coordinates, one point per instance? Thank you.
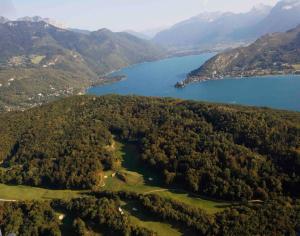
(272, 54)
(40, 62)
(218, 151)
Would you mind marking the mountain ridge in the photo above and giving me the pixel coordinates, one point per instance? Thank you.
(272, 54)
(209, 28)
(228, 30)
(67, 61)
(39, 19)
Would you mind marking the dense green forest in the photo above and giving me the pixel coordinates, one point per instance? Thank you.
(85, 214)
(104, 213)
(220, 151)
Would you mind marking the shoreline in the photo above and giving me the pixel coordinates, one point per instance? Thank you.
(108, 80)
(201, 79)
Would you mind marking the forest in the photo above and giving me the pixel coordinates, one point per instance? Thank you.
(85, 214)
(102, 213)
(214, 150)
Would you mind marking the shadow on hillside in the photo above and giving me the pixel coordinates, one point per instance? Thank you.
(132, 162)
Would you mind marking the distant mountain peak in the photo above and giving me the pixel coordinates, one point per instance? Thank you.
(30, 24)
(104, 30)
(218, 30)
(290, 4)
(209, 16)
(261, 8)
(41, 19)
(31, 19)
(287, 5)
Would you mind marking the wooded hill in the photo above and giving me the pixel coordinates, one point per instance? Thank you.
(220, 151)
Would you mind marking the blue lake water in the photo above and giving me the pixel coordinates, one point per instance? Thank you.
(158, 79)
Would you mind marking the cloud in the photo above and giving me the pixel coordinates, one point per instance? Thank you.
(7, 8)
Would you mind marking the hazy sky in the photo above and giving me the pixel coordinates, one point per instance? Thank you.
(121, 14)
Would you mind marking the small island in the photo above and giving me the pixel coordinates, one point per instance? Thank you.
(180, 84)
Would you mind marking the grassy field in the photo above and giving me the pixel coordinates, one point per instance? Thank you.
(30, 193)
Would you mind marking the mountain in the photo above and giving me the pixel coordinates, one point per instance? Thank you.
(224, 30)
(284, 16)
(277, 53)
(210, 29)
(40, 62)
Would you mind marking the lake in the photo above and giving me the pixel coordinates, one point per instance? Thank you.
(158, 79)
